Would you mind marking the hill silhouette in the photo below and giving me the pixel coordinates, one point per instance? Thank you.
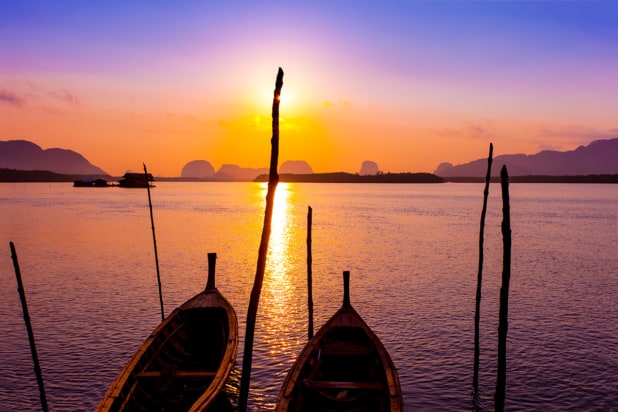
(230, 172)
(25, 155)
(598, 158)
(200, 169)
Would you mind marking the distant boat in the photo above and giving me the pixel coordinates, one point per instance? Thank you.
(344, 367)
(136, 180)
(91, 183)
(184, 364)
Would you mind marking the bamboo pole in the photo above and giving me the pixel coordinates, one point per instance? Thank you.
(24, 305)
(477, 313)
(254, 300)
(154, 241)
(500, 395)
(309, 272)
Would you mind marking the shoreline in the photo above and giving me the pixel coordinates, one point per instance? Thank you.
(44, 176)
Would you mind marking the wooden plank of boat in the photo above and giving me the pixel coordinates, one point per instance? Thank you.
(185, 362)
(344, 367)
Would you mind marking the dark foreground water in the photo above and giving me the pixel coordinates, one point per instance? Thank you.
(89, 272)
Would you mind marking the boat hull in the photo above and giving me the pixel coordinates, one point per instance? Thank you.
(185, 362)
(344, 367)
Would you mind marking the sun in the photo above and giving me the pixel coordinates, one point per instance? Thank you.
(288, 100)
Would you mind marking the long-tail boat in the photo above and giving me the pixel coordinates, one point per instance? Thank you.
(184, 364)
(344, 367)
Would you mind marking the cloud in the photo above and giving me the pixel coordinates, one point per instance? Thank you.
(41, 93)
(580, 133)
(469, 130)
(346, 104)
(551, 147)
(63, 96)
(568, 136)
(246, 123)
(10, 98)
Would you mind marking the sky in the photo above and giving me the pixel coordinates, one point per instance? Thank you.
(407, 84)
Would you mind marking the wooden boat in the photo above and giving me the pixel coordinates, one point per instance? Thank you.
(344, 367)
(185, 362)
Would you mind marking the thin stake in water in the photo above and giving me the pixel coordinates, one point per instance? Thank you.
(309, 273)
(24, 305)
(503, 326)
(477, 314)
(154, 241)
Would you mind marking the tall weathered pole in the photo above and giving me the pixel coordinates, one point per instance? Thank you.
(154, 241)
(477, 313)
(24, 305)
(503, 326)
(254, 300)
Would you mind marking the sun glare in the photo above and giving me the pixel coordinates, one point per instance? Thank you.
(287, 100)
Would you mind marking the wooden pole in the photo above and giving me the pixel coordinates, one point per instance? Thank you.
(346, 288)
(212, 262)
(504, 293)
(309, 272)
(254, 300)
(24, 305)
(154, 240)
(477, 313)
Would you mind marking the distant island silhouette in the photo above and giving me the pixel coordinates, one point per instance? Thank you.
(24, 161)
(598, 158)
(12, 175)
(25, 155)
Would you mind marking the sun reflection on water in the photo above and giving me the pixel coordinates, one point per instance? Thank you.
(279, 292)
(280, 233)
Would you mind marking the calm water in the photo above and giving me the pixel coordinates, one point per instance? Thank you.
(88, 267)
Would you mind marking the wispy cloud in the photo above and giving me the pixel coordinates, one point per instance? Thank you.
(551, 147)
(246, 122)
(63, 96)
(341, 103)
(474, 131)
(10, 98)
(42, 94)
(573, 135)
(580, 133)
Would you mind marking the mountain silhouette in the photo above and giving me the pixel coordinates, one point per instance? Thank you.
(229, 172)
(25, 155)
(299, 167)
(598, 158)
(369, 168)
(200, 169)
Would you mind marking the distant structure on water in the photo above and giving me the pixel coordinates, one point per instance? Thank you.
(91, 183)
(136, 180)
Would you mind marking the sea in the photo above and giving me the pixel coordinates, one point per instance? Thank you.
(89, 271)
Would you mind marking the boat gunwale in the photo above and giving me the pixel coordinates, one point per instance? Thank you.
(215, 299)
(346, 316)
